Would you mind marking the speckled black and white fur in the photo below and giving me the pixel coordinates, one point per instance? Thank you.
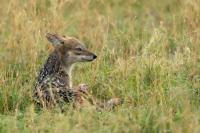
(54, 83)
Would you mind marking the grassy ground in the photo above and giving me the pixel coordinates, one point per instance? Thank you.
(148, 53)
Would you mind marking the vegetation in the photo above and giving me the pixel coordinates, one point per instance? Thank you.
(148, 54)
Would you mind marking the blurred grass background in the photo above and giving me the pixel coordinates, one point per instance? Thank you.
(148, 54)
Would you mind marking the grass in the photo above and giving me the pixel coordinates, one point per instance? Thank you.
(148, 54)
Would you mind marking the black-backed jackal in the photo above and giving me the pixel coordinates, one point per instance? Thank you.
(54, 83)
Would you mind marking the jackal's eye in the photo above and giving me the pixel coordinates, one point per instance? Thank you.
(78, 49)
(62, 42)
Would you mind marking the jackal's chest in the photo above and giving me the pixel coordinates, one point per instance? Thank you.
(53, 88)
(58, 80)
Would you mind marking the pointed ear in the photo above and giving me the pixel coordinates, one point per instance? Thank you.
(54, 39)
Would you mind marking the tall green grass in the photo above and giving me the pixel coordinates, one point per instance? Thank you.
(148, 54)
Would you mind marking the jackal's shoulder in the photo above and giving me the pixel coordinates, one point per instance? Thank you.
(50, 68)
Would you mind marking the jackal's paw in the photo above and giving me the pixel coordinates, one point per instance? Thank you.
(83, 88)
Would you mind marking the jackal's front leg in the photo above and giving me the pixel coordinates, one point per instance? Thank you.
(80, 94)
(83, 97)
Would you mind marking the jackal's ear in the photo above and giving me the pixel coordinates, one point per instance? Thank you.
(54, 39)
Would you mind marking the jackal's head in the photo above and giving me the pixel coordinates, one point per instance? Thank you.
(70, 49)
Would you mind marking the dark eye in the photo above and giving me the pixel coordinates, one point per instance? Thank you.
(78, 49)
(62, 42)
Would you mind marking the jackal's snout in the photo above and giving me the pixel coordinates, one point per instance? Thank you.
(88, 56)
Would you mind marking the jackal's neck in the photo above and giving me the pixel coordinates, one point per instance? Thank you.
(54, 65)
(68, 70)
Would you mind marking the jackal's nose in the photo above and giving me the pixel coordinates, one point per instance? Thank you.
(94, 56)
